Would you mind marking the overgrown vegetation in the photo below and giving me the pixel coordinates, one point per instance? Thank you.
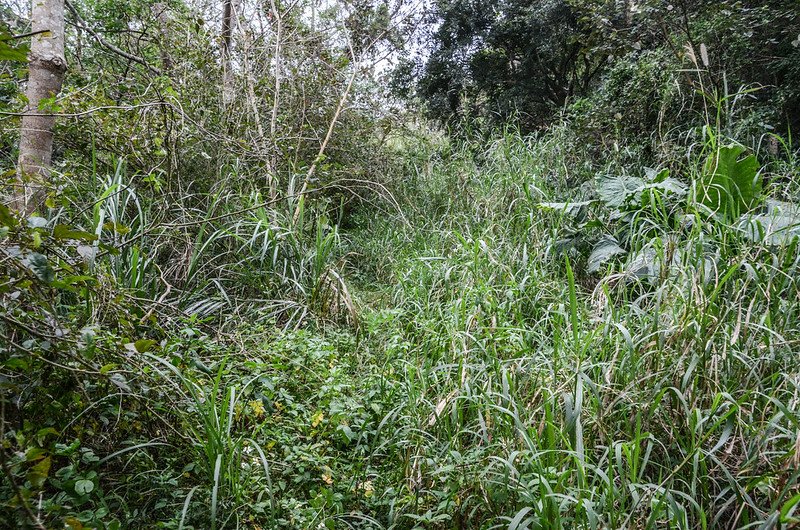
(293, 305)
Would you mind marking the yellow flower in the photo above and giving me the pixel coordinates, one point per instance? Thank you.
(257, 406)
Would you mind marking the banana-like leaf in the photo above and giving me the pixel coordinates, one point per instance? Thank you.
(731, 183)
(614, 190)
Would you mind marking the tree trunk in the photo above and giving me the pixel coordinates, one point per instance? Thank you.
(160, 10)
(45, 75)
(225, 50)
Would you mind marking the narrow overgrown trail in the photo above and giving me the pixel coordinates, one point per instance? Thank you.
(527, 351)
(502, 382)
(533, 343)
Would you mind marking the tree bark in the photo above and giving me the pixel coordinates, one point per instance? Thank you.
(45, 75)
(228, 12)
(162, 15)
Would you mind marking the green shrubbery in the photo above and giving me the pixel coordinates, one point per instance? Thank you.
(547, 395)
(481, 379)
(591, 326)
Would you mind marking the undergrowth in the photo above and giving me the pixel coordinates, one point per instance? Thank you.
(516, 338)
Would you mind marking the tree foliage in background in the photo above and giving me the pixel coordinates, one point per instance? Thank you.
(528, 58)
(513, 58)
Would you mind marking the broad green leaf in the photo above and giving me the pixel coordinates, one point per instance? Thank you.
(731, 184)
(779, 225)
(669, 185)
(72, 523)
(107, 368)
(11, 52)
(66, 450)
(614, 190)
(84, 487)
(660, 189)
(42, 434)
(35, 453)
(120, 382)
(6, 217)
(34, 221)
(144, 345)
(41, 267)
(16, 363)
(65, 232)
(655, 176)
(38, 473)
(604, 250)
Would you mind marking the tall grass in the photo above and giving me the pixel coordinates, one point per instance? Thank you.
(233, 252)
(530, 394)
(495, 382)
(228, 455)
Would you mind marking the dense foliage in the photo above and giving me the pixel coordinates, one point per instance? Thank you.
(507, 58)
(267, 295)
(526, 59)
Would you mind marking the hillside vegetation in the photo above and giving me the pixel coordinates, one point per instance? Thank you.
(283, 298)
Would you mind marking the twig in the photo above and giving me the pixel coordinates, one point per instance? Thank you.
(161, 298)
(83, 25)
(324, 145)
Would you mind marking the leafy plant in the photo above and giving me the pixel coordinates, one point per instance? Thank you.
(731, 183)
(630, 210)
(10, 51)
(227, 456)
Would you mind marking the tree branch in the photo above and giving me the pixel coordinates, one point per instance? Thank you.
(84, 26)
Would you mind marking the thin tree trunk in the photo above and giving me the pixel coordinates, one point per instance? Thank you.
(278, 66)
(273, 124)
(228, 12)
(45, 75)
(160, 10)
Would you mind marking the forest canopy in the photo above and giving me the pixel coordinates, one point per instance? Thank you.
(525, 60)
